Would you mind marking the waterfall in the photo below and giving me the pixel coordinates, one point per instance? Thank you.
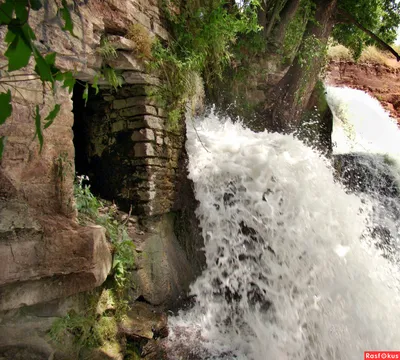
(360, 124)
(293, 270)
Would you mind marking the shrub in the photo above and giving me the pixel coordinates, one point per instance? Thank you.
(372, 55)
(205, 34)
(339, 53)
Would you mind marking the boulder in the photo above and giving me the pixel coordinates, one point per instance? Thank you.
(47, 258)
(164, 272)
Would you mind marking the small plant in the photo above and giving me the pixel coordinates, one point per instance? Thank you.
(142, 39)
(112, 76)
(63, 166)
(86, 202)
(90, 209)
(80, 327)
(107, 50)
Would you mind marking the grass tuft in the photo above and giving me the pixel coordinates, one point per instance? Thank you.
(370, 55)
(142, 39)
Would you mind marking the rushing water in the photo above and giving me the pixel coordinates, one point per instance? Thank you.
(361, 124)
(293, 267)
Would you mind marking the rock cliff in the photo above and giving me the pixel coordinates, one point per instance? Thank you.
(122, 140)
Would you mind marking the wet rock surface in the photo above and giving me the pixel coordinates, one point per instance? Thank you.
(144, 321)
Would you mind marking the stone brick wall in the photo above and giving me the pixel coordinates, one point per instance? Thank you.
(132, 154)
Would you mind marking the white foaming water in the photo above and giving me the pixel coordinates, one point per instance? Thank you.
(291, 271)
(360, 124)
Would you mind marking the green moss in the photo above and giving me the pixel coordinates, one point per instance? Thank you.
(106, 329)
(295, 30)
(81, 328)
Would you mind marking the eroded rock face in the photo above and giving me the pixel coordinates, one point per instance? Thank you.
(380, 81)
(48, 259)
(164, 272)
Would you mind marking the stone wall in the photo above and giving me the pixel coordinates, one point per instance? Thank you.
(44, 253)
(128, 129)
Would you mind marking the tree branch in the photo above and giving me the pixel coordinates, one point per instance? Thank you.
(350, 19)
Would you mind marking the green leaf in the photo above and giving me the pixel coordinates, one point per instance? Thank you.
(85, 95)
(21, 10)
(28, 34)
(95, 83)
(3, 140)
(66, 15)
(38, 126)
(42, 68)
(50, 58)
(36, 5)
(5, 106)
(10, 36)
(20, 49)
(18, 52)
(6, 12)
(52, 115)
(69, 81)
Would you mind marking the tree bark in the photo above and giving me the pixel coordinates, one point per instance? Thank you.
(274, 17)
(295, 88)
(286, 15)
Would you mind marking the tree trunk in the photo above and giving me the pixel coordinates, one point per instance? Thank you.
(271, 21)
(295, 88)
(262, 17)
(286, 15)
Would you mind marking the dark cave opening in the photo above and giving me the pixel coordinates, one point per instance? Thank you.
(80, 129)
(88, 117)
(100, 153)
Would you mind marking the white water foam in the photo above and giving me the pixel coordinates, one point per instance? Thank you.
(360, 124)
(291, 272)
